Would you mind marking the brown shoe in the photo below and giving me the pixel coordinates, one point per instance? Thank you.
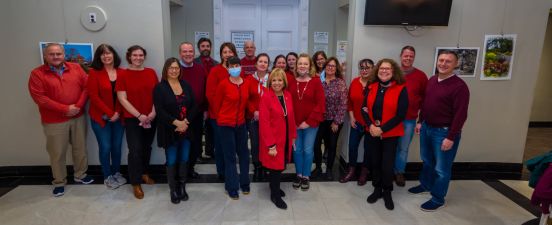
(147, 179)
(349, 176)
(363, 176)
(399, 179)
(138, 192)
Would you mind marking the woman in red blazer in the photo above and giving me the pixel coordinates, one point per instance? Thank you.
(277, 132)
(105, 112)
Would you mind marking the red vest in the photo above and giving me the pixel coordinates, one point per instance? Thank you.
(390, 103)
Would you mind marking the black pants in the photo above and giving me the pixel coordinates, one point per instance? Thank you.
(196, 130)
(139, 142)
(209, 139)
(274, 182)
(326, 134)
(383, 153)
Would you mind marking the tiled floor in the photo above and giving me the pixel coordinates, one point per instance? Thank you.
(468, 202)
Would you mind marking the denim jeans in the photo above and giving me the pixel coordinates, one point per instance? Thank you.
(219, 155)
(437, 164)
(303, 153)
(234, 141)
(110, 139)
(355, 136)
(178, 152)
(404, 143)
(253, 128)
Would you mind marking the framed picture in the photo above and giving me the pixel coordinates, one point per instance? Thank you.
(498, 57)
(81, 53)
(467, 60)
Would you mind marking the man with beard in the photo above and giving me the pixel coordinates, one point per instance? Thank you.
(204, 58)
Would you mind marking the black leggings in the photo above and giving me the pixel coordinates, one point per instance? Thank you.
(326, 134)
(383, 153)
(274, 182)
(139, 142)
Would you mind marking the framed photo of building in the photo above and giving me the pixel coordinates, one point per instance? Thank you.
(81, 53)
(467, 60)
(498, 57)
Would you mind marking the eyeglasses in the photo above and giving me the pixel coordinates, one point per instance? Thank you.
(366, 68)
(330, 66)
(385, 68)
(174, 68)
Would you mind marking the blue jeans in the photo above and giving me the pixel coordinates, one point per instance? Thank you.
(402, 147)
(178, 152)
(304, 153)
(437, 164)
(110, 139)
(234, 141)
(253, 128)
(219, 155)
(355, 136)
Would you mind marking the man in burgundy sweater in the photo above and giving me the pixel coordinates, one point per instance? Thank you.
(204, 46)
(249, 60)
(416, 81)
(443, 113)
(196, 75)
(59, 90)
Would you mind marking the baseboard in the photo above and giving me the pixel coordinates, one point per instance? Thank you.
(469, 170)
(541, 124)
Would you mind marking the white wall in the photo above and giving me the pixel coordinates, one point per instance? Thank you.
(25, 23)
(499, 111)
(542, 103)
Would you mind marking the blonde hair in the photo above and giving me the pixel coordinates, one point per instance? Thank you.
(312, 69)
(277, 73)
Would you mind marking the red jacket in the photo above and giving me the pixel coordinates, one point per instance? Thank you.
(416, 83)
(231, 102)
(54, 93)
(217, 74)
(101, 96)
(272, 129)
(390, 103)
(355, 100)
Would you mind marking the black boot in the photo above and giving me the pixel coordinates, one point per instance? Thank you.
(173, 186)
(316, 172)
(278, 201)
(256, 171)
(182, 178)
(329, 174)
(374, 196)
(388, 200)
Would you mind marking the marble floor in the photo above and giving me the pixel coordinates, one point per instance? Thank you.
(468, 202)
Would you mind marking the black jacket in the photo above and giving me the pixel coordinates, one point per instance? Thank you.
(167, 110)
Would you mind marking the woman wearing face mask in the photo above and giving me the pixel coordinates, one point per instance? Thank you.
(358, 90)
(232, 99)
(134, 91)
(335, 91)
(309, 104)
(277, 132)
(386, 107)
(174, 104)
(259, 84)
(218, 74)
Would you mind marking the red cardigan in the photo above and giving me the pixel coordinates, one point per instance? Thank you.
(311, 107)
(355, 100)
(217, 74)
(390, 103)
(272, 129)
(231, 102)
(101, 96)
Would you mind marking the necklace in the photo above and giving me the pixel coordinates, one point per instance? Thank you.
(304, 90)
(284, 106)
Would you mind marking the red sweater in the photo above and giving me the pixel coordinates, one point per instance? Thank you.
(197, 79)
(101, 96)
(54, 93)
(309, 102)
(248, 66)
(231, 102)
(355, 100)
(138, 85)
(217, 74)
(390, 106)
(416, 82)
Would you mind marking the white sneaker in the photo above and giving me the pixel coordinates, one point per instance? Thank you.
(119, 178)
(111, 183)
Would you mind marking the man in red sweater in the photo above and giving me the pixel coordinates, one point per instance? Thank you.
(196, 75)
(416, 81)
(59, 90)
(443, 113)
(249, 60)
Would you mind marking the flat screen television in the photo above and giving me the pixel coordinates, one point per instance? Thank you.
(407, 12)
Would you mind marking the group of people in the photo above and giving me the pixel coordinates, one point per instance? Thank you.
(286, 111)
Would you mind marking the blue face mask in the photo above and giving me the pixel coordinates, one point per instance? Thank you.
(235, 72)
